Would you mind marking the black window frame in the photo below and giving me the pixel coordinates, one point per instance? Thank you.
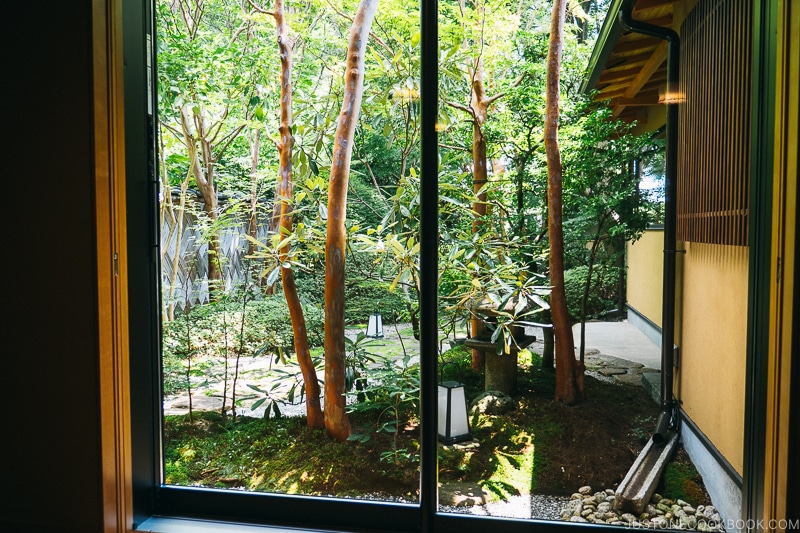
(151, 498)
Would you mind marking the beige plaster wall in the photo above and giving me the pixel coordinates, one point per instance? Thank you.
(712, 336)
(645, 260)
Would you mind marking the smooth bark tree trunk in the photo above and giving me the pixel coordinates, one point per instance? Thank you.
(569, 372)
(255, 151)
(478, 109)
(285, 190)
(337, 422)
(203, 163)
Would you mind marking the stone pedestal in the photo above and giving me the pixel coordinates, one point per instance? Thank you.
(501, 372)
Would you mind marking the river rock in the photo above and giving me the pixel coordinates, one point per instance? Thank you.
(689, 521)
(659, 513)
(492, 402)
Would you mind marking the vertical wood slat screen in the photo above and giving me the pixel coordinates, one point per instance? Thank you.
(714, 123)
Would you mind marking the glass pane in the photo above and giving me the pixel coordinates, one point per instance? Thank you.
(249, 98)
(545, 441)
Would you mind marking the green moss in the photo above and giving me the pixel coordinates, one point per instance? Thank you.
(682, 481)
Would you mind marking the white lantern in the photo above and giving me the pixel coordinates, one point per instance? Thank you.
(375, 326)
(453, 417)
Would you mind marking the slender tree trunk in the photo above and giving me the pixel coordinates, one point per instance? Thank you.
(480, 176)
(569, 372)
(479, 107)
(337, 422)
(255, 150)
(587, 288)
(203, 164)
(285, 192)
(548, 351)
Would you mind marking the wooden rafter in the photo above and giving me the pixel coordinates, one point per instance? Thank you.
(649, 68)
(644, 6)
(612, 75)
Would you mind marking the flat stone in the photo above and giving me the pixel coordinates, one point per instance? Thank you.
(651, 381)
(461, 494)
(613, 371)
(633, 380)
(585, 490)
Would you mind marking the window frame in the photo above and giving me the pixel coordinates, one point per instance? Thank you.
(151, 498)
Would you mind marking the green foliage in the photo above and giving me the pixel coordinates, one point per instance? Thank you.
(213, 330)
(365, 206)
(366, 296)
(603, 293)
(390, 392)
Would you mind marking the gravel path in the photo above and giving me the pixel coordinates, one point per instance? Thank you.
(529, 506)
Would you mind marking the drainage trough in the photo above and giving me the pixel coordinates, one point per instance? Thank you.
(640, 483)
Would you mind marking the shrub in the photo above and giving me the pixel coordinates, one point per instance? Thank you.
(603, 294)
(213, 330)
(364, 297)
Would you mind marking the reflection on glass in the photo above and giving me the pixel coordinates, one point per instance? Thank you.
(272, 175)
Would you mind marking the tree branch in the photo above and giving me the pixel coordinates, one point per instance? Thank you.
(260, 9)
(461, 107)
(371, 34)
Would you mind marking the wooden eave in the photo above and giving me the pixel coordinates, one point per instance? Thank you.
(626, 68)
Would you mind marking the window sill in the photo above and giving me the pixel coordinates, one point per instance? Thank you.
(157, 524)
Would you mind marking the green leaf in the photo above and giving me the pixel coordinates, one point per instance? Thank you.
(273, 276)
(258, 403)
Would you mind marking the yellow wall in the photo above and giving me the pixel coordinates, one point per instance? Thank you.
(712, 337)
(645, 260)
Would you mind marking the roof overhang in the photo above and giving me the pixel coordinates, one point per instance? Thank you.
(629, 69)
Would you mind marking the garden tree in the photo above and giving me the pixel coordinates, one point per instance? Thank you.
(475, 43)
(605, 207)
(284, 198)
(337, 422)
(518, 131)
(569, 372)
(207, 66)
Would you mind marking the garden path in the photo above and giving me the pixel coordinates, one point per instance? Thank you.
(616, 352)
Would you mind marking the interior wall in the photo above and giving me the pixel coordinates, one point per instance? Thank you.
(51, 437)
(712, 338)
